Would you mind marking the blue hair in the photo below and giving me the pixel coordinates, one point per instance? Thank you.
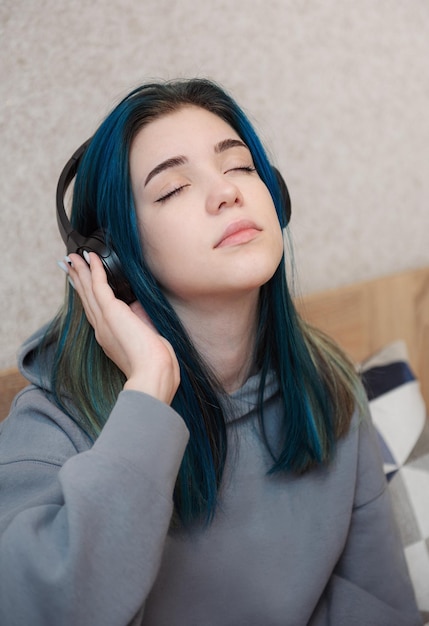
(103, 198)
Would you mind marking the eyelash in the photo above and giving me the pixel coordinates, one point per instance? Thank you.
(245, 168)
(173, 192)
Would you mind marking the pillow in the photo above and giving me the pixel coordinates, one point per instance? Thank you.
(400, 418)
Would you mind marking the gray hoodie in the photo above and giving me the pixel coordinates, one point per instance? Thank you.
(85, 539)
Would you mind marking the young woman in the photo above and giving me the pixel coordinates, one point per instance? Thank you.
(199, 456)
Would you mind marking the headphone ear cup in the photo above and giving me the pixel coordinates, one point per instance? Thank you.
(111, 263)
(284, 192)
(75, 242)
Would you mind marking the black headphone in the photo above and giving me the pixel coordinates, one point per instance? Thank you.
(284, 194)
(75, 242)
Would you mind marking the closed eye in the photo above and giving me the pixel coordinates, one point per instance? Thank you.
(171, 193)
(177, 190)
(243, 168)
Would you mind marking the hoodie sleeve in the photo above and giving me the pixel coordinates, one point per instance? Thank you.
(370, 584)
(82, 533)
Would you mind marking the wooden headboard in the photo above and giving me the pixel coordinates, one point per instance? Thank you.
(362, 318)
(11, 382)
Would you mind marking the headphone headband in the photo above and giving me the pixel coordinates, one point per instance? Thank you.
(71, 237)
(75, 242)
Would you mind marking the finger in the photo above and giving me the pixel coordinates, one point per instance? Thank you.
(104, 309)
(81, 276)
(76, 273)
(99, 283)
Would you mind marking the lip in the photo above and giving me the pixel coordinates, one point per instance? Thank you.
(246, 228)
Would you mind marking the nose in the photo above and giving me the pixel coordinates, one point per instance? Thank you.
(223, 194)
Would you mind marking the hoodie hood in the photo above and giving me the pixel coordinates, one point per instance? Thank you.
(244, 401)
(34, 363)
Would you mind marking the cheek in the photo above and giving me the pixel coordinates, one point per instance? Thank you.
(277, 247)
(276, 235)
(152, 245)
(165, 250)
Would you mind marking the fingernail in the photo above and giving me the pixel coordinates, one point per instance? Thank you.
(71, 282)
(68, 260)
(86, 257)
(63, 266)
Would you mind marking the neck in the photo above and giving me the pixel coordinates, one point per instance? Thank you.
(224, 335)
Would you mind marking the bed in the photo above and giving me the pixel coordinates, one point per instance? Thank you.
(365, 317)
(383, 325)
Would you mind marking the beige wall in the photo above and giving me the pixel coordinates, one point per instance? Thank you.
(338, 89)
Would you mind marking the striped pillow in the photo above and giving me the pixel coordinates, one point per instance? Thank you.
(400, 418)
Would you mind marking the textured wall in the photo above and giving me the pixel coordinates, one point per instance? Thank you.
(338, 89)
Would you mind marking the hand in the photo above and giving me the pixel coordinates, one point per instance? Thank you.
(125, 333)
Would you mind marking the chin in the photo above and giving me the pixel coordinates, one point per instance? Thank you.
(254, 278)
(262, 268)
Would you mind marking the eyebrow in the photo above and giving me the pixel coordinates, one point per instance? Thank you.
(225, 144)
(165, 165)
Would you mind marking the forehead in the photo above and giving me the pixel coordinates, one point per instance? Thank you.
(188, 129)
